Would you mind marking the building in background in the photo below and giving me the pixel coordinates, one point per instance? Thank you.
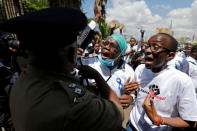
(166, 30)
(170, 30)
(161, 30)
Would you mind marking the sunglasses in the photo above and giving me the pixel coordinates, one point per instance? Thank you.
(112, 45)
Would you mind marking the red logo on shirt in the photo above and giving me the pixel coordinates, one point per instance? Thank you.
(156, 91)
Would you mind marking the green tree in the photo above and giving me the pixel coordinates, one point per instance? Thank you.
(2, 12)
(65, 3)
(104, 28)
(34, 5)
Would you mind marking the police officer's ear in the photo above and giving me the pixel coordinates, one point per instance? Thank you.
(170, 55)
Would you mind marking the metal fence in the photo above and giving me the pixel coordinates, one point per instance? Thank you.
(10, 9)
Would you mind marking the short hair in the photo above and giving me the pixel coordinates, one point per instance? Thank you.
(174, 43)
(194, 48)
(94, 43)
(132, 38)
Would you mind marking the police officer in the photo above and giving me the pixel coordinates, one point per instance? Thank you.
(46, 97)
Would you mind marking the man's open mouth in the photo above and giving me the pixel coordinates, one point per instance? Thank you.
(148, 60)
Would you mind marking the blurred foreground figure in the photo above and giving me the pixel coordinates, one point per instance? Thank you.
(46, 97)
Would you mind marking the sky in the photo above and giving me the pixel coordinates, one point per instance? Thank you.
(151, 14)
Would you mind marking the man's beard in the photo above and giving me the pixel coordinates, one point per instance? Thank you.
(162, 65)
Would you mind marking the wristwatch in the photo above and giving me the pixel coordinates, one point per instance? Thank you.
(133, 97)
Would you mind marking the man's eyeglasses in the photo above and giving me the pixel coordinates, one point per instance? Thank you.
(112, 45)
(155, 48)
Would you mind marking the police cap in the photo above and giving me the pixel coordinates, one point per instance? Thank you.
(51, 27)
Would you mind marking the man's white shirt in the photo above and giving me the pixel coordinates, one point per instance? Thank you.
(175, 97)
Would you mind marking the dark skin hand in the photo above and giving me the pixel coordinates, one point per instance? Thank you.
(97, 11)
(139, 59)
(79, 51)
(131, 87)
(125, 100)
(130, 52)
(149, 108)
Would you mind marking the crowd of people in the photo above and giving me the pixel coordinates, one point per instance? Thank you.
(67, 77)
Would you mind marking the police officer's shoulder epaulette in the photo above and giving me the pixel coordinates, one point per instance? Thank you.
(78, 93)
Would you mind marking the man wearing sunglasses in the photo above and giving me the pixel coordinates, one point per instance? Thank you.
(166, 98)
(111, 66)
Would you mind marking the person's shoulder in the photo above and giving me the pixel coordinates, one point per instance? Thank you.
(142, 71)
(140, 67)
(74, 91)
(179, 75)
(192, 68)
(191, 60)
(128, 68)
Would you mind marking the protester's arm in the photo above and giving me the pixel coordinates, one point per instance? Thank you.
(150, 110)
(129, 53)
(97, 11)
(87, 34)
(121, 28)
(112, 27)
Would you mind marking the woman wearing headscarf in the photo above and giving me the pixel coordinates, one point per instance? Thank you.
(111, 65)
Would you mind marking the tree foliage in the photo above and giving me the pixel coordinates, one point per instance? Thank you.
(2, 12)
(104, 28)
(34, 5)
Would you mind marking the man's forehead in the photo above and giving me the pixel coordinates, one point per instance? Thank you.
(159, 38)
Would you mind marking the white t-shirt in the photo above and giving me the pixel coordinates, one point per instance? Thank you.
(180, 63)
(193, 74)
(127, 58)
(118, 78)
(191, 60)
(131, 48)
(175, 97)
(181, 54)
(192, 70)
